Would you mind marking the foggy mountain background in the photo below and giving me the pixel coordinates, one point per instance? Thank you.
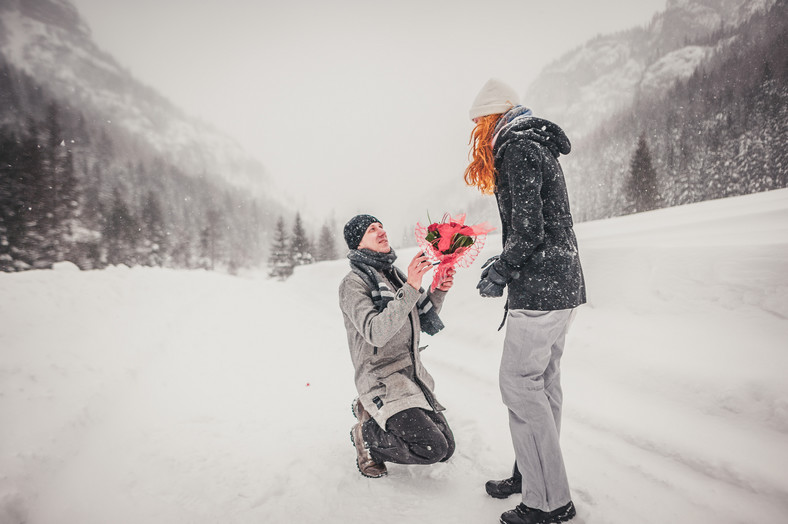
(97, 168)
(704, 84)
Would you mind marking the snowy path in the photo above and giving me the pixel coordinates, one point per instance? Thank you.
(156, 396)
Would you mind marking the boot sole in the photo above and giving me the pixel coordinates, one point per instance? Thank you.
(353, 441)
(557, 520)
(499, 496)
(565, 517)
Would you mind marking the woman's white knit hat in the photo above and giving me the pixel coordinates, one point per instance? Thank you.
(495, 97)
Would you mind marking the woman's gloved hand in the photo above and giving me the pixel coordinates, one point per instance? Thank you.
(495, 275)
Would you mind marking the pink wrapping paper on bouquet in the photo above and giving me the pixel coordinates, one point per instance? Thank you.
(451, 243)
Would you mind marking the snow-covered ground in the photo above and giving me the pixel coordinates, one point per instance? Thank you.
(165, 397)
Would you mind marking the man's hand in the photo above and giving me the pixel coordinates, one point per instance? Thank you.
(416, 269)
(495, 275)
(448, 281)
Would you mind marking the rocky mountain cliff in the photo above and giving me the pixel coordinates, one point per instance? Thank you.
(600, 78)
(49, 41)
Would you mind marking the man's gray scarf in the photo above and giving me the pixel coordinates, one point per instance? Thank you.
(364, 262)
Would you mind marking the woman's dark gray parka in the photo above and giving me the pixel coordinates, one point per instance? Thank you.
(538, 238)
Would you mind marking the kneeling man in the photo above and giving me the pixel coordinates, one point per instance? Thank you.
(384, 309)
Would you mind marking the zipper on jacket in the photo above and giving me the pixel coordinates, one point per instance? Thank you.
(375, 350)
(416, 378)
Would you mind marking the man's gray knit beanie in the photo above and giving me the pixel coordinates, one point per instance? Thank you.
(355, 229)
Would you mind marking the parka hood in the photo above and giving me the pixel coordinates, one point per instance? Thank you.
(537, 129)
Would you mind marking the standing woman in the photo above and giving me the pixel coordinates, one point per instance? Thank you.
(515, 156)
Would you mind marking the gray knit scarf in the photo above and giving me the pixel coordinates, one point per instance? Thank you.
(364, 262)
(507, 118)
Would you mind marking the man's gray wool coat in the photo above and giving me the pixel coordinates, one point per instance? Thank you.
(384, 348)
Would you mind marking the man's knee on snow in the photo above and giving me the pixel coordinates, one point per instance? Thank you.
(434, 449)
(449, 452)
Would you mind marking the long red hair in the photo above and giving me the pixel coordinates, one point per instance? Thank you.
(481, 171)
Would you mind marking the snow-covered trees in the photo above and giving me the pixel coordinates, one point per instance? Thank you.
(297, 249)
(718, 133)
(77, 188)
(38, 195)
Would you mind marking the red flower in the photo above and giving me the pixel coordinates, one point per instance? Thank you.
(451, 243)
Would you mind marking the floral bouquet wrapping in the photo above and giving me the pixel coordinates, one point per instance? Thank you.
(450, 243)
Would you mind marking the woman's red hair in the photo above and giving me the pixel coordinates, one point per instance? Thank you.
(481, 171)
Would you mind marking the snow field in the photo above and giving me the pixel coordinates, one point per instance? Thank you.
(160, 396)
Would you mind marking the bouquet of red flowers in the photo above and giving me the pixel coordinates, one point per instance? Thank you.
(450, 243)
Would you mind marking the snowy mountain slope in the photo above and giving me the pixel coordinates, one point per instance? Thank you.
(589, 84)
(679, 64)
(48, 40)
(158, 396)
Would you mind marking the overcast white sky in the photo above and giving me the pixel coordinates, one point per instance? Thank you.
(352, 105)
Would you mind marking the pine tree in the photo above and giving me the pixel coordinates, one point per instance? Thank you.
(120, 233)
(66, 205)
(9, 98)
(46, 186)
(154, 236)
(300, 251)
(27, 243)
(9, 196)
(326, 245)
(641, 187)
(280, 261)
(210, 238)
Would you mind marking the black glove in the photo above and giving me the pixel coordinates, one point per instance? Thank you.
(495, 275)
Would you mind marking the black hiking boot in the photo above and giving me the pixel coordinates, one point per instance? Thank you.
(501, 489)
(522, 514)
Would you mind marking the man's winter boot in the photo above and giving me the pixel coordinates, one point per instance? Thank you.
(500, 489)
(361, 414)
(366, 464)
(522, 514)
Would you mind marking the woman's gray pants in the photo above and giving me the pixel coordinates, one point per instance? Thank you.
(530, 381)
